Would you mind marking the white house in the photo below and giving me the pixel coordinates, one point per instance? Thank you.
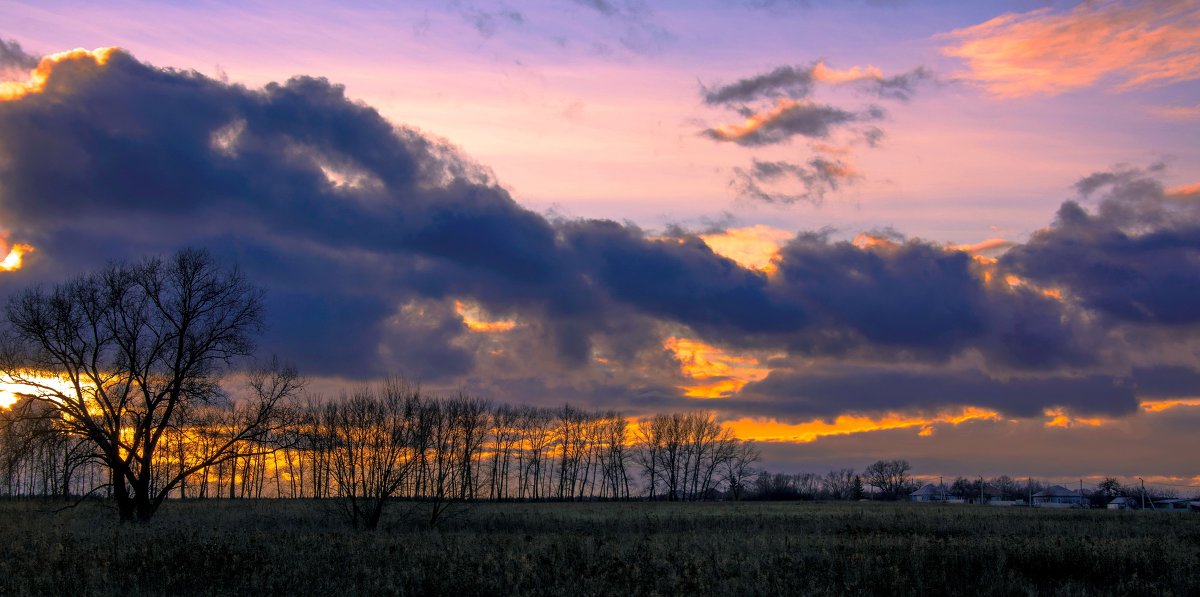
(1058, 496)
(1124, 503)
(930, 493)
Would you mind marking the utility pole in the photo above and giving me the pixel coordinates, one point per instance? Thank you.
(1081, 493)
(1143, 492)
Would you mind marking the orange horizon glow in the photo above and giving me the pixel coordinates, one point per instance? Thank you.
(11, 391)
(773, 430)
(36, 83)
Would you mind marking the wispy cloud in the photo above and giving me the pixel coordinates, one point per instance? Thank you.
(1123, 45)
(777, 106)
(1178, 112)
(785, 182)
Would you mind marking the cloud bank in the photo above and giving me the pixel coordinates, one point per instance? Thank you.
(373, 239)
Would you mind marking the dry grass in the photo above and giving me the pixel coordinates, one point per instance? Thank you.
(292, 547)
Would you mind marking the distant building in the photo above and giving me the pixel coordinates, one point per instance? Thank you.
(930, 493)
(1178, 504)
(1059, 497)
(1124, 503)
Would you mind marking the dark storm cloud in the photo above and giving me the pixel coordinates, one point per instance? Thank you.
(1135, 258)
(818, 177)
(806, 395)
(365, 233)
(918, 299)
(683, 281)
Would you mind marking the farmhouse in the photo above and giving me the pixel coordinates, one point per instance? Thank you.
(930, 493)
(1124, 503)
(1058, 496)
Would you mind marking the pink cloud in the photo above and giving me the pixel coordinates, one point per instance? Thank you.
(1127, 44)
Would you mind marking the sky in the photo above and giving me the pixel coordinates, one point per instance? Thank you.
(964, 234)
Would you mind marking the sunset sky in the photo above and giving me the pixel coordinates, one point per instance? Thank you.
(962, 233)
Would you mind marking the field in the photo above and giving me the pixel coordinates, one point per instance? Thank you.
(302, 547)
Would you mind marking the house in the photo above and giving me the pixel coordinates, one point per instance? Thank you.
(1124, 503)
(930, 493)
(1058, 496)
(1174, 504)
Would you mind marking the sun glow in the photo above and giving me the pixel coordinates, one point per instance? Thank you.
(15, 258)
(754, 247)
(11, 390)
(36, 83)
(714, 373)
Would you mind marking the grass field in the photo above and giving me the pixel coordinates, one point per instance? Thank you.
(298, 547)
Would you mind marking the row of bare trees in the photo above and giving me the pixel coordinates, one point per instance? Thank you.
(394, 442)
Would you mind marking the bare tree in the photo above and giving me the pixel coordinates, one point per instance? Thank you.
(838, 484)
(890, 477)
(373, 440)
(123, 355)
(739, 468)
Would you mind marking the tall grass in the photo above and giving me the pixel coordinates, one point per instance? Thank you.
(292, 546)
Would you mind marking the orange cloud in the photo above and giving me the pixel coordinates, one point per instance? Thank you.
(825, 74)
(714, 373)
(1046, 52)
(772, 430)
(733, 132)
(477, 321)
(754, 247)
(991, 245)
(1059, 417)
(1185, 191)
(36, 83)
(1153, 406)
(867, 240)
(1177, 112)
